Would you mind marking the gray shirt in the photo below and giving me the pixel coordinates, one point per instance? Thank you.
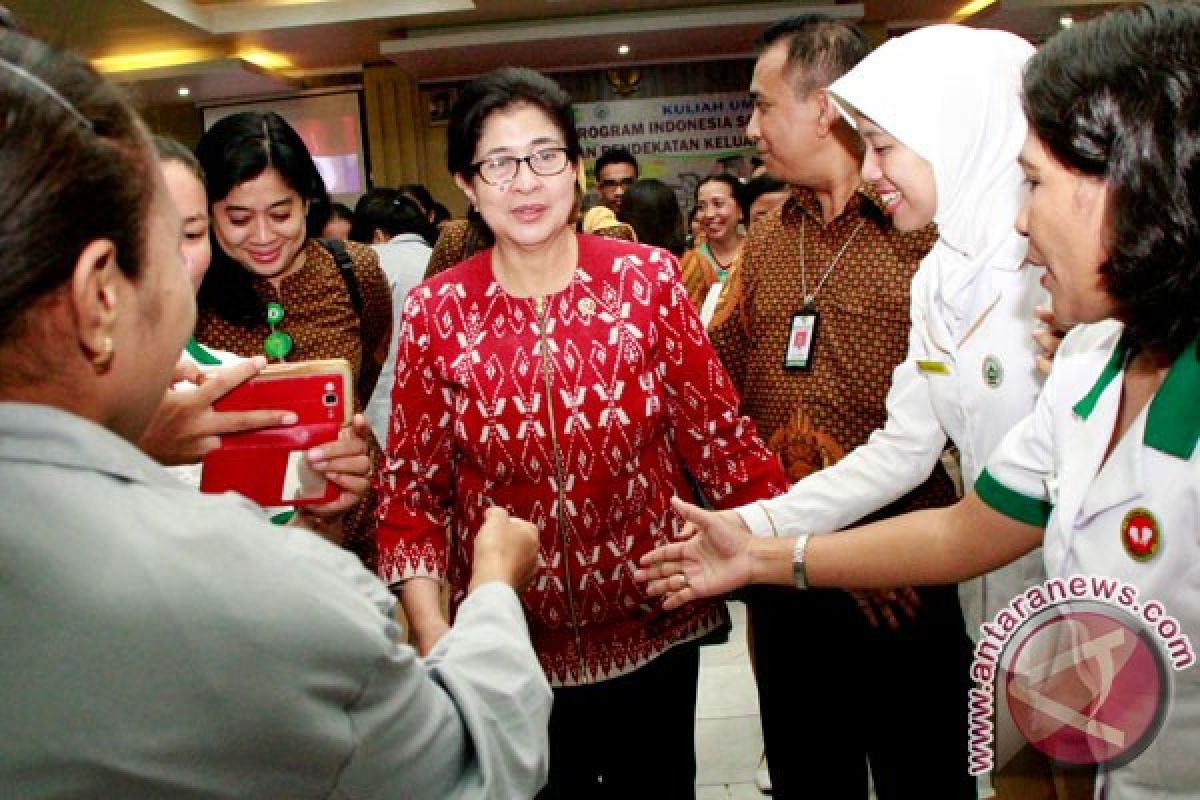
(403, 259)
(156, 642)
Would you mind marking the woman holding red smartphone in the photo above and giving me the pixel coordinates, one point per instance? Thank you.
(187, 427)
(273, 288)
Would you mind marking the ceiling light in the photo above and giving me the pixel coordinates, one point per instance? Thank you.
(623, 50)
(265, 59)
(969, 9)
(183, 91)
(130, 62)
(1066, 21)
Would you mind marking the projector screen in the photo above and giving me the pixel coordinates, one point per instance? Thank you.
(329, 125)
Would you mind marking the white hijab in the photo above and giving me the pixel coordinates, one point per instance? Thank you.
(952, 95)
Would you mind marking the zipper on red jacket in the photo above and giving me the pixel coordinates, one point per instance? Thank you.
(540, 305)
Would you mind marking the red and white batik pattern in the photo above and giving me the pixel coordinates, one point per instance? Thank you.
(636, 398)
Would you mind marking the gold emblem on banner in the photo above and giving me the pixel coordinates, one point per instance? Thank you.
(624, 80)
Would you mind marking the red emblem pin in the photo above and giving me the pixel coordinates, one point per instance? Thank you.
(1141, 534)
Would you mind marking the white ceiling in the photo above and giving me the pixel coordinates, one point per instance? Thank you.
(697, 34)
(236, 48)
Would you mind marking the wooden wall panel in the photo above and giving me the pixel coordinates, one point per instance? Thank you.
(395, 127)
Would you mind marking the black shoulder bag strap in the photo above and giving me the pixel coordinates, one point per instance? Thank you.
(345, 265)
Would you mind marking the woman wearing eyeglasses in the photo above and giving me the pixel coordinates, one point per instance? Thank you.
(567, 378)
(459, 239)
(273, 288)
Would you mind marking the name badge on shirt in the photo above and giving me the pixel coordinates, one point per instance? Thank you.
(801, 339)
(933, 368)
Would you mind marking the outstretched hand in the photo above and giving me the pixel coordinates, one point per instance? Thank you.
(713, 561)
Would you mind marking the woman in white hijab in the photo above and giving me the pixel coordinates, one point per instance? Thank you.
(939, 112)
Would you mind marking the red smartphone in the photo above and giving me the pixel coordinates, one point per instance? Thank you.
(268, 465)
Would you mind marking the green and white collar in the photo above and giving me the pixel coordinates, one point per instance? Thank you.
(1173, 421)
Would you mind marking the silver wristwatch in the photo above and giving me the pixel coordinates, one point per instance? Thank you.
(799, 572)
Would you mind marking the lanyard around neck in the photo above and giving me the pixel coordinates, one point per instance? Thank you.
(809, 299)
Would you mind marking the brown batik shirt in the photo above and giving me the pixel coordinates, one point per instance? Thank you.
(862, 329)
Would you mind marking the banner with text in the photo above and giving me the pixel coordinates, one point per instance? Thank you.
(678, 140)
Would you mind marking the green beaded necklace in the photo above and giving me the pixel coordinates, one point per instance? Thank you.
(277, 344)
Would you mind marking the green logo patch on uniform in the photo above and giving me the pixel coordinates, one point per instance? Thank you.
(993, 372)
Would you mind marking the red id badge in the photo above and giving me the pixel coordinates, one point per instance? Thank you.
(802, 339)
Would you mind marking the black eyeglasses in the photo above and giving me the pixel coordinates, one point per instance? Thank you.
(612, 183)
(500, 169)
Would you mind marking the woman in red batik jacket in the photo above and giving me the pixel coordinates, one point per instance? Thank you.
(567, 378)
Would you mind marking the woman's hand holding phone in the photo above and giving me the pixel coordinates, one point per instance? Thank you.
(185, 428)
(275, 466)
(345, 462)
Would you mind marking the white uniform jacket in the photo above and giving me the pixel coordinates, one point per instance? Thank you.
(1049, 471)
(972, 389)
(156, 642)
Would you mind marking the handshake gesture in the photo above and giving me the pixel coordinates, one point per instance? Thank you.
(716, 558)
(506, 549)
(720, 555)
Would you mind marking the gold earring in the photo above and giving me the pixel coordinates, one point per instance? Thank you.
(103, 360)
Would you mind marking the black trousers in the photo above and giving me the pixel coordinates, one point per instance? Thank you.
(835, 693)
(630, 737)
